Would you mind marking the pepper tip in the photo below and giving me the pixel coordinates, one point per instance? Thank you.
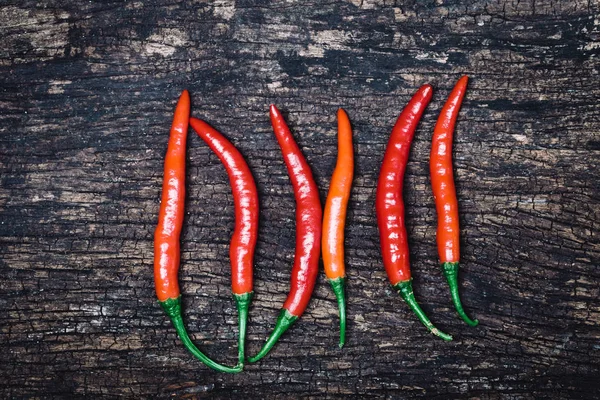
(273, 109)
(462, 82)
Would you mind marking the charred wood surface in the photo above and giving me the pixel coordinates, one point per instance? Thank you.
(87, 91)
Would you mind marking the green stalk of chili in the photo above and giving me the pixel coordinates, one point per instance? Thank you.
(444, 193)
(166, 236)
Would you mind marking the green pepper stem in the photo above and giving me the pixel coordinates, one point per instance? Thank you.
(405, 290)
(285, 320)
(338, 288)
(173, 309)
(243, 302)
(451, 273)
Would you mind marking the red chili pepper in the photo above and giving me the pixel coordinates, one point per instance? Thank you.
(166, 236)
(243, 241)
(334, 218)
(308, 232)
(444, 193)
(390, 205)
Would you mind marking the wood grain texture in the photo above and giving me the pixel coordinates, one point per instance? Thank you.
(87, 91)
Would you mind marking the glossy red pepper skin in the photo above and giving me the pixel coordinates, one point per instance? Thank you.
(390, 204)
(243, 240)
(309, 216)
(245, 198)
(167, 233)
(444, 193)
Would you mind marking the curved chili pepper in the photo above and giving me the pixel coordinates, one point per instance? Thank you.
(334, 218)
(243, 240)
(166, 236)
(390, 205)
(308, 233)
(444, 193)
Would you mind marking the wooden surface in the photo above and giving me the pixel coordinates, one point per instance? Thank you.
(87, 92)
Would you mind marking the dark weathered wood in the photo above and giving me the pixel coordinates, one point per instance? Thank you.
(86, 97)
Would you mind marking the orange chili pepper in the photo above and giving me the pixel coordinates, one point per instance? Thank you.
(170, 218)
(444, 193)
(334, 218)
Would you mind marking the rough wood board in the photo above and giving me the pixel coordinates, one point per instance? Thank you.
(86, 97)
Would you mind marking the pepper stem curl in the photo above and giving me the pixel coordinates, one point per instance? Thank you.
(243, 302)
(338, 288)
(405, 290)
(451, 273)
(284, 321)
(172, 307)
